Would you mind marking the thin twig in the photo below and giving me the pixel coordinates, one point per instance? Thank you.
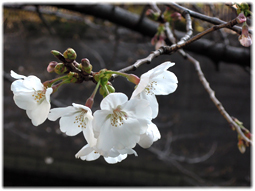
(213, 20)
(216, 102)
(171, 49)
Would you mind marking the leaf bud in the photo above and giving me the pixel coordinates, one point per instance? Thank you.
(70, 54)
(60, 68)
(86, 66)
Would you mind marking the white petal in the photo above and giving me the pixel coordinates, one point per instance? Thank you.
(87, 153)
(139, 107)
(100, 117)
(17, 86)
(17, 76)
(128, 151)
(106, 139)
(25, 100)
(61, 111)
(89, 134)
(47, 94)
(155, 131)
(81, 107)
(39, 114)
(144, 81)
(153, 103)
(146, 140)
(114, 160)
(69, 125)
(34, 83)
(166, 83)
(150, 136)
(160, 68)
(113, 100)
(90, 157)
(84, 151)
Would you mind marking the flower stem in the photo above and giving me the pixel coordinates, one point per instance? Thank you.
(130, 77)
(49, 83)
(90, 100)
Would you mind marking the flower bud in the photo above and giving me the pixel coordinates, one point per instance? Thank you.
(73, 77)
(86, 66)
(109, 87)
(133, 78)
(241, 146)
(55, 53)
(245, 37)
(241, 18)
(151, 14)
(51, 66)
(176, 16)
(60, 68)
(70, 54)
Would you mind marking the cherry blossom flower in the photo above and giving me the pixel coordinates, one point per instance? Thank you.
(151, 135)
(157, 81)
(120, 122)
(245, 37)
(73, 120)
(31, 95)
(90, 153)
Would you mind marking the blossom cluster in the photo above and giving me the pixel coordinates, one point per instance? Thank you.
(111, 132)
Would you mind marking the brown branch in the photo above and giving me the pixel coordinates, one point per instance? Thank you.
(213, 20)
(170, 49)
(216, 102)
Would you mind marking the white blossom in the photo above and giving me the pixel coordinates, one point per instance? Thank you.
(73, 120)
(31, 95)
(91, 153)
(151, 135)
(120, 122)
(157, 81)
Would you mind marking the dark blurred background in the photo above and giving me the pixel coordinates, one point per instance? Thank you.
(202, 147)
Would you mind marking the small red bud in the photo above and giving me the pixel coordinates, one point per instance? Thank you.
(51, 66)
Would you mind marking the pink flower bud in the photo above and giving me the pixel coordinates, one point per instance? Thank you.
(133, 78)
(245, 37)
(150, 12)
(176, 16)
(241, 18)
(51, 66)
(161, 42)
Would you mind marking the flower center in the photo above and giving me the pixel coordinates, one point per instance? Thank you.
(39, 96)
(118, 117)
(150, 87)
(80, 119)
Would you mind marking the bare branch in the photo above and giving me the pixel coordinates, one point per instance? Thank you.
(214, 99)
(213, 20)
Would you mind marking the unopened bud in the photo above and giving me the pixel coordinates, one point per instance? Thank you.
(86, 66)
(55, 53)
(151, 14)
(241, 146)
(73, 77)
(241, 18)
(133, 78)
(70, 54)
(176, 16)
(245, 37)
(60, 68)
(110, 89)
(51, 66)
